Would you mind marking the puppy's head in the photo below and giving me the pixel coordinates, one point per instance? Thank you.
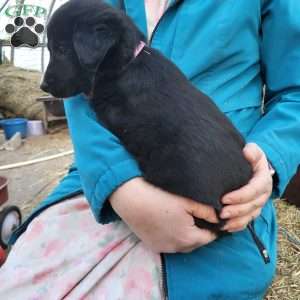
(85, 39)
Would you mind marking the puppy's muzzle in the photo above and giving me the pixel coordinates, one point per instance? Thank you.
(44, 86)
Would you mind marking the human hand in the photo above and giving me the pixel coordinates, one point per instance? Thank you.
(245, 204)
(163, 221)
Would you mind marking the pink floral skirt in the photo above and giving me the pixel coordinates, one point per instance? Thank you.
(66, 254)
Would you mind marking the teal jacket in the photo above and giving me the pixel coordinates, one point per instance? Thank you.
(229, 49)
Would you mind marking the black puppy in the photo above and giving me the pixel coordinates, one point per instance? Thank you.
(183, 143)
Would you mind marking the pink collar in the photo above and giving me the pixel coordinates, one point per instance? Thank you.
(137, 51)
(139, 48)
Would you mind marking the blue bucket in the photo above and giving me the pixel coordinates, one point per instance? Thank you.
(12, 126)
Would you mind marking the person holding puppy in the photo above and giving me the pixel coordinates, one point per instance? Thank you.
(228, 50)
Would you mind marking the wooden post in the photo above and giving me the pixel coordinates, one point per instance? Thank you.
(12, 55)
(44, 37)
(1, 52)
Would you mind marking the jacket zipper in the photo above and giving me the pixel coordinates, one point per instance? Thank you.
(163, 278)
(159, 21)
(261, 247)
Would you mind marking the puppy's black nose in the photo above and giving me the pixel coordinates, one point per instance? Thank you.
(44, 86)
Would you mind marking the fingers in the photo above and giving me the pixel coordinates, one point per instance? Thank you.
(240, 210)
(203, 211)
(197, 238)
(260, 184)
(253, 154)
(246, 203)
(240, 223)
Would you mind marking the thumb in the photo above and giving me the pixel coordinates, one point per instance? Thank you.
(203, 211)
(252, 153)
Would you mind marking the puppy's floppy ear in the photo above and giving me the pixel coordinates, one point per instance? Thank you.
(91, 45)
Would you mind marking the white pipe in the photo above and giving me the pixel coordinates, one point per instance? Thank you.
(34, 161)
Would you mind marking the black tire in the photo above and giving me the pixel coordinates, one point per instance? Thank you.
(9, 211)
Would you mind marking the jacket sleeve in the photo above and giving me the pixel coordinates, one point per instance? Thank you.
(278, 130)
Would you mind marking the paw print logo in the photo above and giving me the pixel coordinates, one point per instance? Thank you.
(24, 32)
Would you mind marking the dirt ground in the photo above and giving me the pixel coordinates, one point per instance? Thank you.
(29, 185)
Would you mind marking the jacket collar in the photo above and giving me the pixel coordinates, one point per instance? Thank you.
(136, 10)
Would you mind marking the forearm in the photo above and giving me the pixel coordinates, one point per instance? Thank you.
(278, 134)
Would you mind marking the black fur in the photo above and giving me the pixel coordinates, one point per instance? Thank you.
(183, 143)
